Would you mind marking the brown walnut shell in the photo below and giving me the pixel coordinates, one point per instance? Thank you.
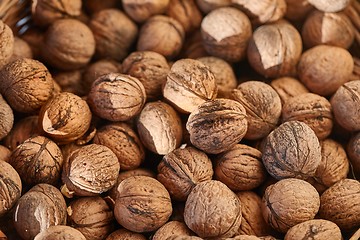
(172, 228)
(21, 49)
(6, 118)
(207, 6)
(4, 153)
(11, 187)
(124, 234)
(288, 87)
(70, 81)
(353, 151)
(297, 10)
(7, 44)
(186, 12)
(142, 10)
(330, 5)
(60, 232)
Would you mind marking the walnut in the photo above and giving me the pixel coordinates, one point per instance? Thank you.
(207, 6)
(94, 6)
(70, 81)
(217, 125)
(159, 127)
(116, 97)
(60, 232)
(226, 33)
(340, 204)
(189, 84)
(244, 237)
(183, 237)
(297, 10)
(172, 228)
(4, 153)
(10, 187)
(65, 117)
(35, 38)
(330, 5)
(38, 209)
(124, 234)
(193, 46)
(26, 84)
(142, 10)
(183, 168)
(186, 12)
(353, 151)
(90, 171)
(292, 150)
(289, 202)
(288, 87)
(263, 107)
(21, 49)
(6, 118)
(212, 210)
(323, 69)
(7, 44)
(37, 160)
(143, 204)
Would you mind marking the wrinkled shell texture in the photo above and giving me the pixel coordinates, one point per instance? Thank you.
(212, 210)
(172, 228)
(60, 232)
(226, 33)
(141, 10)
(217, 125)
(330, 5)
(208, 5)
(6, 118)
(6, 44)
(189, 84)
(341, 204)
(124, 234)
(26, 84)
(263, 107)
(11, 187)
(4, 153)
(65, 117)
(41, 207)
(186, 13)
(143, 204)
(180, 170)
(287, 87)
(292, 150)
(91, 170)
(353, 151)
(116, 97)
(289, 202)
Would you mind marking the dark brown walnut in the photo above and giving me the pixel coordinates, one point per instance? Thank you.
(263, 107)
(94, 6)
(261, 12)
(90, 171)
(151, 68)
(278, 57)
(21, 49)
(60, 232)
(240, 168)
(116, 97)
(91, 216)
(6, 118)
(38, 209)
(317, 229)
(4, 153)
(297, 10)
(70, 81)
(312, 109)
(193, 46)
(189, 84)
(292, 151)
(65, 117)
(289, 202)
(212, 210)
(353, 151)
(37, 160)
(10, 187)
(323, 69)
(330, 5)
(341, 204)
(288, 87)
(142, 10)
(224, 75)
(345, 104)
(35, 38)
(124, 234)
(182, 169)
(124, 142)
(252, 221)
(26, 84)
(46, 12)
(163, 35)
(217, 125)
(159, 127)
(172, 228)
(7, 44)
(186, 12)
(333, 29)
(207, 6)
(226, 33)
(143, 204)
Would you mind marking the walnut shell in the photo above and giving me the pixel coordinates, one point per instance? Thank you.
(4, 153)
(71, 81)
(263, 107)
(116, 97)
(180, 170)
(172, 228)
(7, 44)
(212, 210)
(90, 171)
(287, 87)
(26, 84)
(60, 232)
(6, 118)
(186, 12)
(193, 46)
(143, 204)
(297, 10)
(330, 5)
(21, 49)
(217, 125)
(292, 150)
(10, 187)
(289, 202)
(340, 204)
(124, 234)
(353, 151)
(207, 6)
(142, 10)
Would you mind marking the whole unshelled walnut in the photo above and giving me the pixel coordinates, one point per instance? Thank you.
(226, 32)
(4, 153)
(207, 6)
(116, 97)
(278, 57)
(68, 45)
(180, 170)
(330, 5)
(124, 234)
(143, 204)
(217, 125)
(353, 151)
(6, 118)
(65, 117)
(11, 187)
(172, 228)
(70, 81)
(21, 49)
(289, 202)
(323, 69)
(141, 10)
(212, 210)
(7, 44)
(186, 12)
(26, 84)
(38, 209)
(189, 84)
(288, 87)
(292, 151)
(193, 46)
(60, 232)
(89, 171)
(297, 10)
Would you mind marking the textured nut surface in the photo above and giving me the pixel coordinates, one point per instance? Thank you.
(172, 228)
(330, 5)
(10, 187)
(289, 202)
(141, 10)
(292, 150)
(4, 153)
(212, 210)
(207, 6)
(70, 81)
(287, 87)
(353, 151)
(7, 44)
(6, 118)
(297, 9)
(143, 204)
(21, 49)
(60, 232)
(124, 234)
(186, 12)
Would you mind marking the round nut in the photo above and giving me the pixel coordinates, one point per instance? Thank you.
(124, 234)
(287, 87)
(60, 232)
(70, 81)
(186, 13)
(6, 118)
(10, 187)
(142, 10)
(353, 151)
(21, 49)
(172, 228)
(207, 6)
(330, 5)
(297, 10)
(7, 44)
